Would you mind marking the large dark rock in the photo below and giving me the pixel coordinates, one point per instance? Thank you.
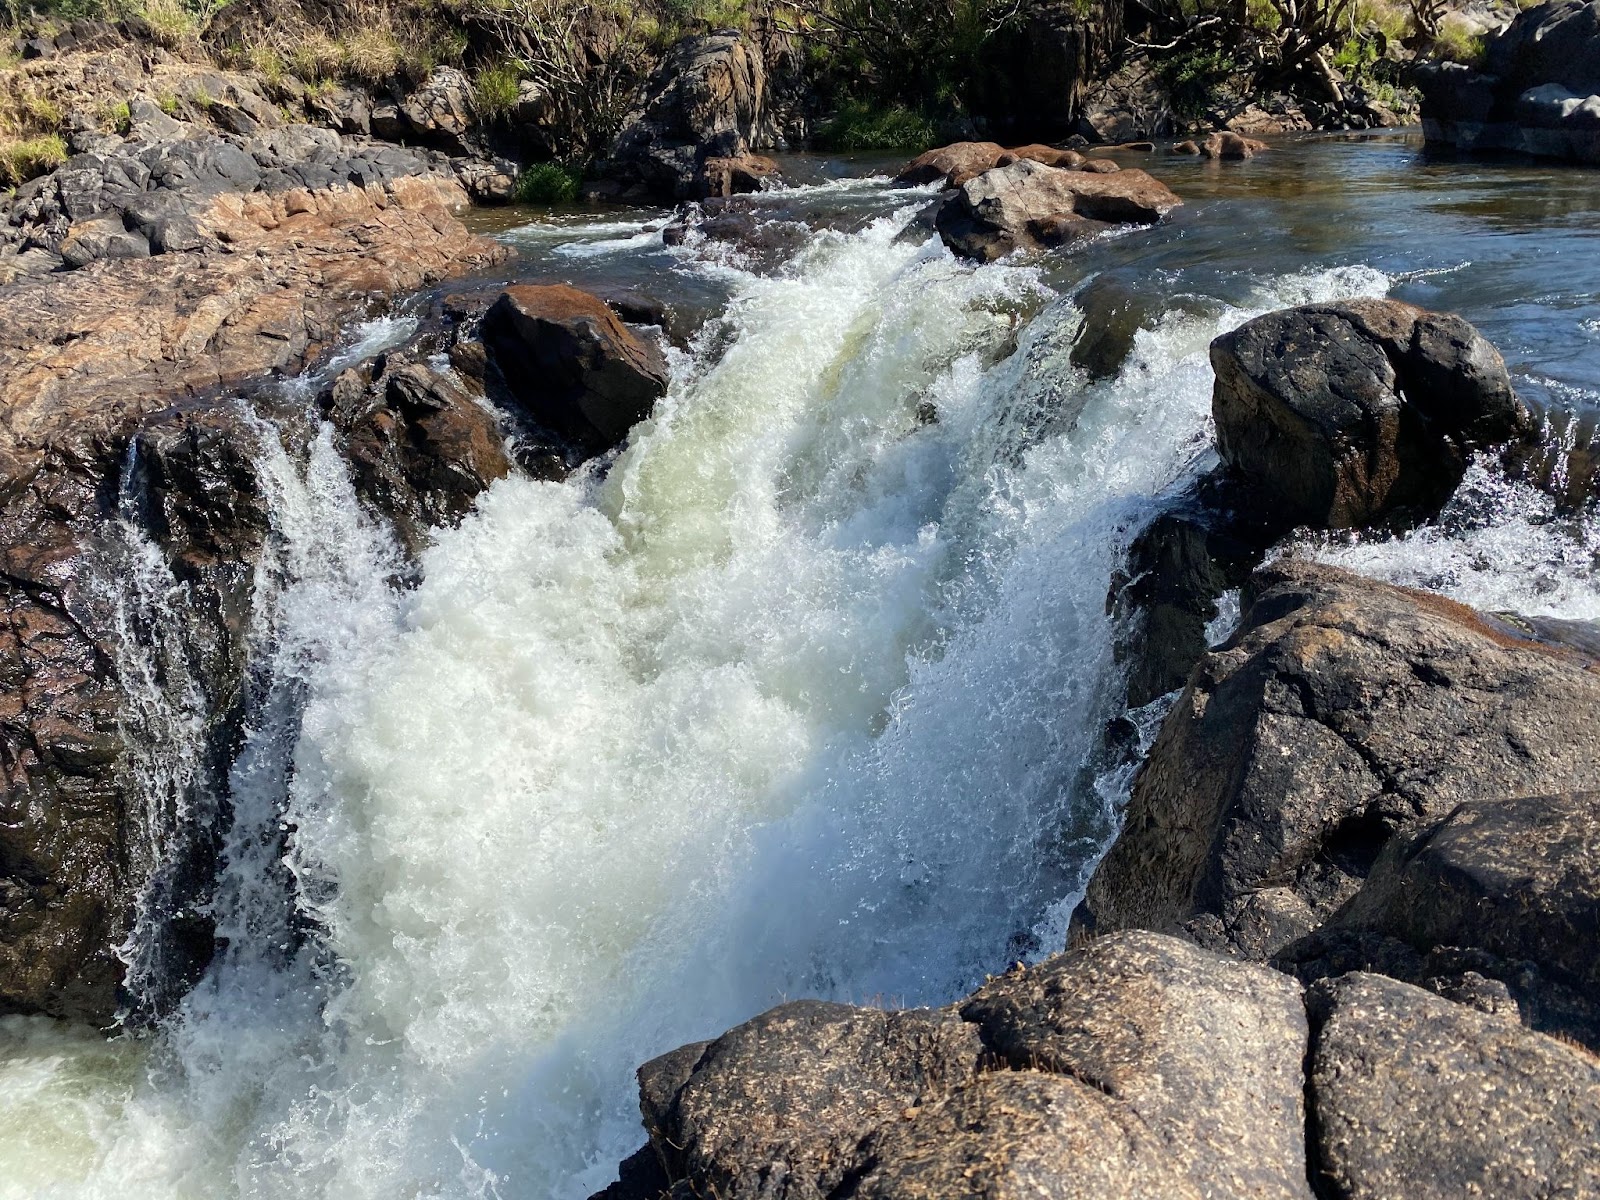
(707, 101)
(1343, 712)
(1138, 1066)
(1347, 414)
(1496, 905)
(576, 368)
(1537, 93)
(420, 448)
(1519, 878)
(1412, 1095)
(1027, 205)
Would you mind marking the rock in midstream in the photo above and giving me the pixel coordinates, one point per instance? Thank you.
(1027, 205)
(1346, 414)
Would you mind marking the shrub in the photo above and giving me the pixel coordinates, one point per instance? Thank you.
(859, 125)
(548, 183)
(496, 89)
(1459, 42)
(20, 161)
(120, 117)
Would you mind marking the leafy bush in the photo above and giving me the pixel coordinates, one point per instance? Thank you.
(860, 125)
(548, 183)
(1193, 77)
(20, 161)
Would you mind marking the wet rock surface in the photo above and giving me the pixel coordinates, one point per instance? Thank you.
(1028, 205)
(1351, 413)
(575, 367)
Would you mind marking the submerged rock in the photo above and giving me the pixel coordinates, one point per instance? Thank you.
(1347, 414)
(1028, 205)
(572, 364)
(1344, 712)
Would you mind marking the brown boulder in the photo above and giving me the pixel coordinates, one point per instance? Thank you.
(944, 165)
(420, 448)
(1343, 712)
(575, 368)
(1233, 146)
(736, 175)
(1027, 205)
(1069, 160)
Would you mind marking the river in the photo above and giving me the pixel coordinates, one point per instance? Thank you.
(800, 696)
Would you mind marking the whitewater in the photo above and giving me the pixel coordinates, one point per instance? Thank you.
(802, 694)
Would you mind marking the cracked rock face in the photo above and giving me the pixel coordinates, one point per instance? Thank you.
(1344, 712)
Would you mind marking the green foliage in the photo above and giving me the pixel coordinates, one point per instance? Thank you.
(20, 161)
(496, 89)
(1459, 42)
(119, 117)
(547, 184)
(922, 54)
(860, 125)
(167, 103)
(1193, 78)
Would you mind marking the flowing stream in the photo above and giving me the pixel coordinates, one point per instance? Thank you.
(802, 695)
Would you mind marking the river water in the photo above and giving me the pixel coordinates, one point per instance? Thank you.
(800, 696)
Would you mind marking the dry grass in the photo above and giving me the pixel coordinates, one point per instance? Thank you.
(22, 159)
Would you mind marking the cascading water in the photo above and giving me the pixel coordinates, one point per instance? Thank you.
(163, 725)
(802, 696)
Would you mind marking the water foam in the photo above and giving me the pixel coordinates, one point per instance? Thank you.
(800, 698)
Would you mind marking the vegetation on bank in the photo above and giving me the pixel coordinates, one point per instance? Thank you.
(875, 74)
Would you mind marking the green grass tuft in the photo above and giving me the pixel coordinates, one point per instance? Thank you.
(863, 126)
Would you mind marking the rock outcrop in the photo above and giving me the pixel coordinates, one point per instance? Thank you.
(1343, 713)
(1412, 1095)
(705, 110)
(1027, 206)
(1128, 1067)
(1347, 414)
(575, 367)
(1537, 93)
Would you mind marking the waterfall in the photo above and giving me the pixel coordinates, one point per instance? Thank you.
(162, 723)
(800, 695)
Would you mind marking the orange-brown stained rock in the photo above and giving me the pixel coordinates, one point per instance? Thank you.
(572, 364)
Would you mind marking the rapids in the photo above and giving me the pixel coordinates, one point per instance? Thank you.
(802, 695)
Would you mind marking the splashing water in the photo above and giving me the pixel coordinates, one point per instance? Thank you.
(801, 697)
